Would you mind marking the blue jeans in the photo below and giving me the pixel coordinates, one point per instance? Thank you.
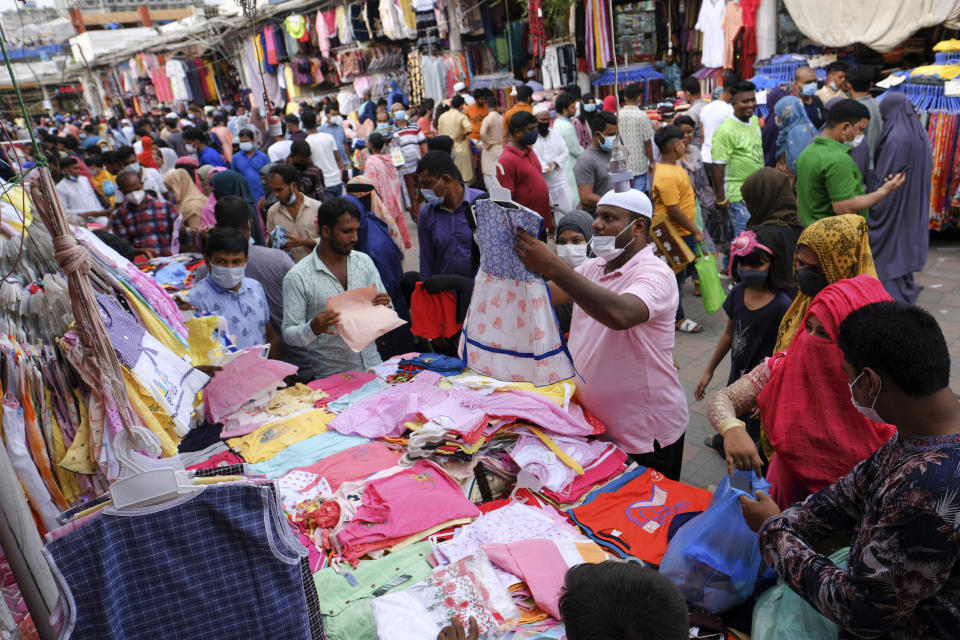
(682, 276)
(738, 218)
(642, 183)
(335, 191)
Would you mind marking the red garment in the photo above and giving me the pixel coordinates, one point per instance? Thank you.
(269, 38)
(749, 8)
(433, 315)
(602, 469)
(610, 104)
(817, 434)
(340, 384)
(353, 464)
(749, 53)
(222, 459)
(635, 518)
(146, 156)
(520, 173)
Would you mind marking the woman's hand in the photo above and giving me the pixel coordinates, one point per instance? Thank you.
(741, 451)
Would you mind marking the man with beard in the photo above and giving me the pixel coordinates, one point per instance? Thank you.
(332, 268)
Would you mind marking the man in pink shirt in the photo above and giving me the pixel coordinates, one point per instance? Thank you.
(622, 331)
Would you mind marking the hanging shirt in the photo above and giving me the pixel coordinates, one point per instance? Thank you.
(710, 23)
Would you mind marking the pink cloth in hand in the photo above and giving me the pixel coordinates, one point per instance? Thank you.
(244, 377)
(361, 321)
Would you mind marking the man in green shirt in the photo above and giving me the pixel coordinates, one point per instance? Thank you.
(828, 180)
(737, 153)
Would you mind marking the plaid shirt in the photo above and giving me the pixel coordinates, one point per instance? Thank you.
(149, 227)
(310, 181)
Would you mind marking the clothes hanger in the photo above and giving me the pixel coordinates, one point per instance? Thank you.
(145, 480)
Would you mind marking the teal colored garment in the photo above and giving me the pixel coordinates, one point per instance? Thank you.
(345, 596)
(796, 130)
(568, 132)
(374, 386)
(305, 452)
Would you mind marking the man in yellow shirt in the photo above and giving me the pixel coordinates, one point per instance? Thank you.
(524, 95)
(674, 199)
(455, 124)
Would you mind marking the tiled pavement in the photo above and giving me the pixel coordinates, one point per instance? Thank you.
(702, 467)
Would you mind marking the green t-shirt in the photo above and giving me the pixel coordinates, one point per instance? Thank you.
(826, 174)
(738, 145)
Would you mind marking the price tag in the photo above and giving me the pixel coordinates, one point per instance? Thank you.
(951, 88)
(762, 97)
(398, 160)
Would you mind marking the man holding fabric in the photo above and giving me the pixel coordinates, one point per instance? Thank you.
(622, 331)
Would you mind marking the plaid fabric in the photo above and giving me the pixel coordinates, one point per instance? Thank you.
(149, 227)
(229, 470)
(215, 564)
(310, 182)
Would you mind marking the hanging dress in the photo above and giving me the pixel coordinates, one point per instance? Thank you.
(511, 332)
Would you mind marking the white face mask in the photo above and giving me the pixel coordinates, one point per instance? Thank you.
(227, 277)
(870, 413)
(190, 148)
(857, 139)
(136, 197)
(604, 247)
(572, 255)
(133, 166)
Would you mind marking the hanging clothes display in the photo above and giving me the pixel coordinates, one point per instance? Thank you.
(511, 331)
(710, 23)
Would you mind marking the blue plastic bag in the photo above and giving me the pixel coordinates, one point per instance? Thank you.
(714, 559)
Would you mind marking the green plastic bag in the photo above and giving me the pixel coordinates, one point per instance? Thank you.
(711, 289)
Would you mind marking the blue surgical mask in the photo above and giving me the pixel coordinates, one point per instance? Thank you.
(752, 277)
(73, 178)
(383, 126)
(431, 197)
(400, 115)
(607, 144)
(833, 85)
(246, 146)
(809, 90)
(227, 277)
(291, 199)
(590, 108)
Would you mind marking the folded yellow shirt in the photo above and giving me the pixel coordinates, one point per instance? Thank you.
(272, 438)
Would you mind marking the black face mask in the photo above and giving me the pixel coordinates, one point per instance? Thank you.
(366, 201)
(300, 166)
(543, 128)
(810, 282)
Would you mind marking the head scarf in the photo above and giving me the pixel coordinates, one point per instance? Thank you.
(770, 128)
(377, 209)
(817, 434)
(843, 248)
(146, 156)
(770, 199)
(900, 223)
(190, 200)
(169, 160)
(579, 221)
(190, 165)
(230, 183)
(610, 104)
(796, 130)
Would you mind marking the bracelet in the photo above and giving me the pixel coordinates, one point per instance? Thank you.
(731, 423)
(723, 202)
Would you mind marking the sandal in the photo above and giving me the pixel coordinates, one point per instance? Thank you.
(715, 442)
(696, 288)
(688, 326)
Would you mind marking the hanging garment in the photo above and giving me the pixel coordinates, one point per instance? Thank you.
(710, 23)
(511, 331)
(433, 315)
(144, 573)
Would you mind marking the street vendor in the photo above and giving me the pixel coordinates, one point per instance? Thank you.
(622, 330)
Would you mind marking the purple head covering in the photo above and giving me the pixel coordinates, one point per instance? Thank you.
(770, 129)
(900, 223)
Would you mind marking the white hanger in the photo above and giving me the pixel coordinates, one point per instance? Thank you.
(145, 480)
(498, 193)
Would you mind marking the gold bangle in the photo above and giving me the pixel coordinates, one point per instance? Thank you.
(730, 423)
(723, 202)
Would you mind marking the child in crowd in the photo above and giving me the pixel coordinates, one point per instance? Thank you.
(612, 600)
(755, 306)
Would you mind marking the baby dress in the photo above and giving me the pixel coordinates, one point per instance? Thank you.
(511, 331)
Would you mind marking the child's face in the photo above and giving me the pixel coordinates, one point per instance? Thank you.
(231, 259)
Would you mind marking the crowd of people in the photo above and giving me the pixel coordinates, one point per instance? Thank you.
(838, 387)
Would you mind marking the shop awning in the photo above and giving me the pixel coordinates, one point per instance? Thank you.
(625, 75)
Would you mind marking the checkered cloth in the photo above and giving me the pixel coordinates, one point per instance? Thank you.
(221, 563)
(149, 227)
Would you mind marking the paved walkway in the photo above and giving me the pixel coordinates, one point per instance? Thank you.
(702, 467)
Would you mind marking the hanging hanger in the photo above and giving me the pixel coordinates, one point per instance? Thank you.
(145, 480)
(499, 194)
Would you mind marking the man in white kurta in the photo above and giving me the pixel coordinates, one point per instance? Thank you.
(552, 151)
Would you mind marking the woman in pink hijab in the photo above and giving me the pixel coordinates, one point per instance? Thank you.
(610, 104)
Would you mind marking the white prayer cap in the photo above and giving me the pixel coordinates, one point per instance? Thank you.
(531, 73)
(541, 107)
(631, 200)
(172, 115)
(457, 88)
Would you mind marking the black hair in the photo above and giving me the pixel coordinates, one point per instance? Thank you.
(836, 65)
(309, 119)
(246, 133)
(780, 270)
(665, 136)
(90, 129)
(189, 168)
(70, 142)
(900, 341)
(684, 120)
(69, 161)
(232, 211)
(563, 101)
(730, 81)
(600, 121)
(193, 133)
(226, 239)
(125, 152)
(116, 243)
(382, 102)
(140, 131)
(287, 173)
(847, 111)
(301, 148)
(427, 107)
(457, 101)
(113, 122)
(331, 106)
(291, 118)
(443, 144)
(632, 91)
(742, 87)
(622, 601)
(574, 90)
(438, 163)
(492, 99)
(376, 141)
(109, 157)
(860, 78)
(521, 120)
(524, 93)
(331, 210)
(94, 160)
(691, 85)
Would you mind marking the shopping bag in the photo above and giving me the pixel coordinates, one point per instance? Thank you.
(781, 613)
(711, 289)
(668, 245)
(714, 559)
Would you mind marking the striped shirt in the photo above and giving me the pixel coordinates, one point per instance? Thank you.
(408, 140)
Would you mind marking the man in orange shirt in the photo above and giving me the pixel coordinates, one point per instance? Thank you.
(524, 94)
(477, 112)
